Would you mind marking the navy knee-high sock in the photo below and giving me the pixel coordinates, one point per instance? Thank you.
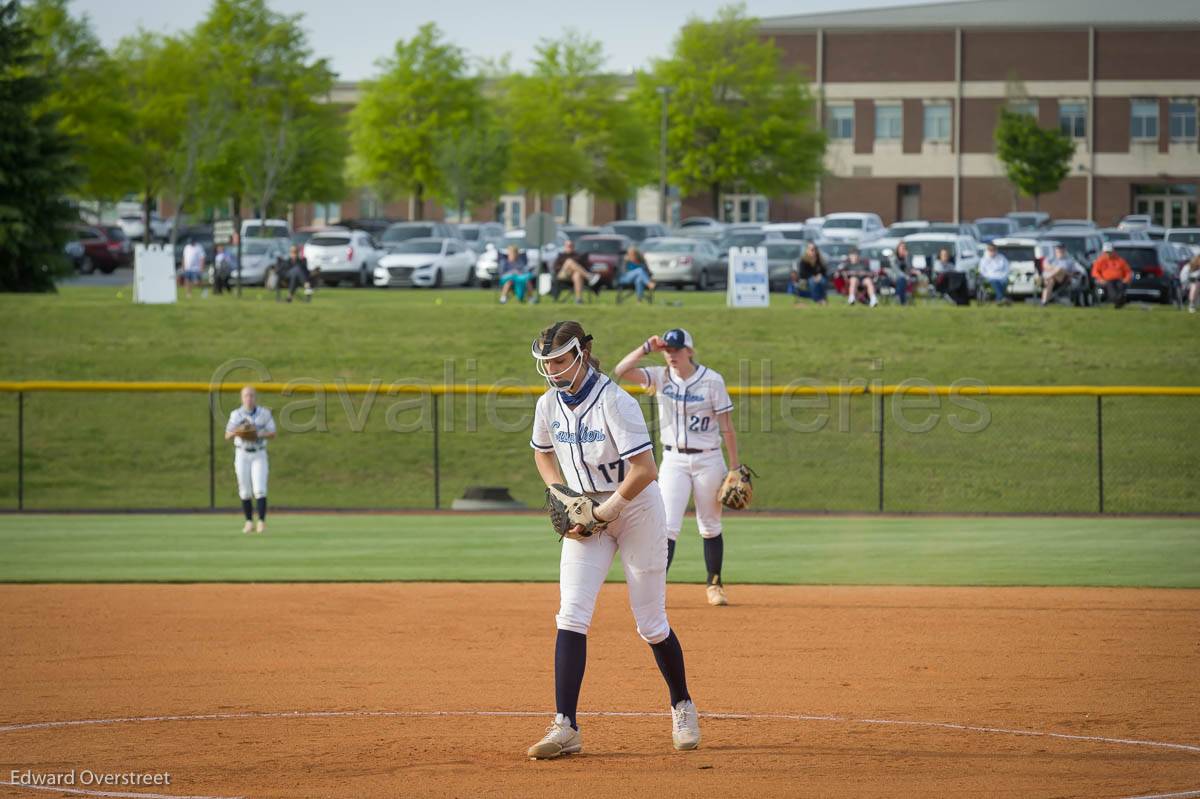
(570, 658)
(670, 553)
(248, 509)
(714, 554)
(669, 656)
(262, 509)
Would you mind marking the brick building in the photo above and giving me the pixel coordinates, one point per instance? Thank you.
(910, 97)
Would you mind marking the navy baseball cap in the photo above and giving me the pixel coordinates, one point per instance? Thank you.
(678, 338)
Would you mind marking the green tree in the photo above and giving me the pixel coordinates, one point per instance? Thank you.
(422, 96)
(82, 75)
(570, 128)
(473, 163)
(37, 168)
(737, 119)
(1036, 160)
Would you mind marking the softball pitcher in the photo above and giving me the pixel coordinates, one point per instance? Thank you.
(250, 426)
(694, 417)
(590, 434)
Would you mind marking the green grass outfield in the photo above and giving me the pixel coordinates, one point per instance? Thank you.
(759, 549)
(1034, 455)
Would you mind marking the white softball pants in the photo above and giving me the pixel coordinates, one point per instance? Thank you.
(251, 470)
(639, 535)
(699, 475)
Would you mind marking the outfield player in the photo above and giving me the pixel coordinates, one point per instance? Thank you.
(250, 426)
(590, 434)
(694, 418)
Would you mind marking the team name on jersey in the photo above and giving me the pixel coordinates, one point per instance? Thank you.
(585, 434)
(669, 391)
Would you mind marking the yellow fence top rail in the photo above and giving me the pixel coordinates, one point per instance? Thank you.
(390, 389)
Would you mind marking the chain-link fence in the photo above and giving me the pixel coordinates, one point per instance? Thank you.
(866, 449)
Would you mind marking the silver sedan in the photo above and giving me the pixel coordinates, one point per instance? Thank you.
(685, 262)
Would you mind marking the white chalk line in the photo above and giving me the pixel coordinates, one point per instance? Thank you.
(320, 714)
(114, 794)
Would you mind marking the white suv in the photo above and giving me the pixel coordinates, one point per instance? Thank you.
(350, 255)
(852, 227)
(923, 249)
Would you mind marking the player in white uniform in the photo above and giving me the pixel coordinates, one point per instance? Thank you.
(694, 417)
(250, 456)
(592, 432)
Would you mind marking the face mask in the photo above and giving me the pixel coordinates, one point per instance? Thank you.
(543, 355)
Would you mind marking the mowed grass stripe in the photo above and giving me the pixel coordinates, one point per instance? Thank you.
(861, 551)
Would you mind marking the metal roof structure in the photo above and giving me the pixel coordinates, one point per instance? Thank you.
(999, 14)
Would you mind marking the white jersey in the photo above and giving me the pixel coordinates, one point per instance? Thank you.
(594, 439)
(262, 420)
(688, 410)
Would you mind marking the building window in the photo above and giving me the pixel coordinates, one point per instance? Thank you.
(937, 122)
(1144, 119)
(889, 122)
(1027, 107)
(1183, 120)
(841, 122)
(1072, 118)
(559, 207)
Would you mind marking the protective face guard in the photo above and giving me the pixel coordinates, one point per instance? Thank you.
(542, 358)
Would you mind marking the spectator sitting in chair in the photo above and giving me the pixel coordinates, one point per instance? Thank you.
(858, 272)
(813, 273)
(896, 273)
(994, 268)
(637, 274)
(572, 267)
(514, 274)
(296, 269)
(1112, 272)
(1056, 272)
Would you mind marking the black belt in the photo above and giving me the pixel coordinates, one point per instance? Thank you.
(252, 449)
(686, 451)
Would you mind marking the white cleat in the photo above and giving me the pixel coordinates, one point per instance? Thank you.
(561, 739)
(248, 527)
(874, 301)
(262, 526)
(685, 725)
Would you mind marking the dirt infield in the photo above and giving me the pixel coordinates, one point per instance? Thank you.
(385, 690)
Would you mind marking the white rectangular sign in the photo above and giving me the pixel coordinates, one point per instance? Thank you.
(749, 283)
(154, 274)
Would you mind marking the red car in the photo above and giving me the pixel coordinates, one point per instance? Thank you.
(606, 254)
(105, 247)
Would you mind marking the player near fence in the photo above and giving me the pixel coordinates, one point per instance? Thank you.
(250, 426)
(694, 418)
(593, 451)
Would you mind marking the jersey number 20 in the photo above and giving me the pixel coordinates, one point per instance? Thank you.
(618, 468)
(699, 424)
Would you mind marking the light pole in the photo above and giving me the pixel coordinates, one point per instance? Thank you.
(665, 93)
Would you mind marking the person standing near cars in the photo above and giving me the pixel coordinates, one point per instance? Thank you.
(1056, 271)
(193, 265)
(296, 269)
(1113, 274)
(1193, 282)
(994, 268)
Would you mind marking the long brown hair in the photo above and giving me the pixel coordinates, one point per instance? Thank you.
(559, 333)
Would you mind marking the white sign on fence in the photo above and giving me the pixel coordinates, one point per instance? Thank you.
(749, 285)
(153, 274)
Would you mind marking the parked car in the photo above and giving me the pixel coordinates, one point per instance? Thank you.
(796, 231)
(400, 232)
(487, 265)
(1155, 233)
(104, 247)
(134, 226)
(894, 234)
(704, 227)
(343, 255)
(681, 261)
(1135, 221)
(1029, 220)
(478, 234)
(200, 234)
(373, 225)
(576, 232)
(259, 258)
(923, 249)
(1113, 234)
(1084, 245)
(426, 262)
(817, 222)
(746, 238)
(636, 231)
(1073, 223)
(1155, 268)
(783, 258)
(995, 227)
(277, 229)
(302, 236)
(1025, 258)
(606, 255)
(959, 228)
(834, 253)
(1187, 236)
(855, 227)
